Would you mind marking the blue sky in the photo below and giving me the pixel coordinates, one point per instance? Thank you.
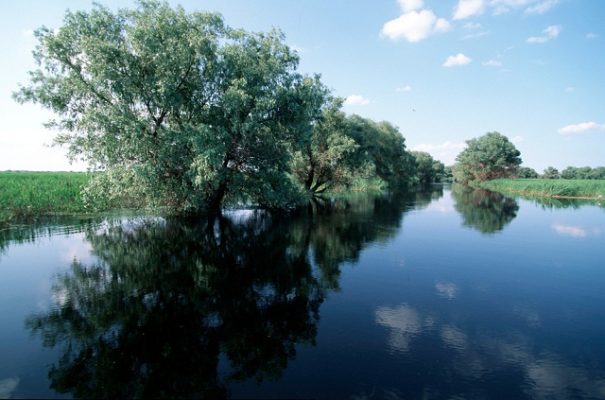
(443, 71)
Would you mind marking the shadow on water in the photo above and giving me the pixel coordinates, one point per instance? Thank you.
(485, 211)
(179, 308)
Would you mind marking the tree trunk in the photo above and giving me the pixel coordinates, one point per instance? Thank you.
(215, 200)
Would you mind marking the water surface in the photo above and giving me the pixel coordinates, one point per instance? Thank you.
(447, 293)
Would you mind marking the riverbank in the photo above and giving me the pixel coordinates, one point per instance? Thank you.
(551, 188)
(27, 195)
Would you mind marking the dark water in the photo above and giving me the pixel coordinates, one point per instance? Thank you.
(443, 294)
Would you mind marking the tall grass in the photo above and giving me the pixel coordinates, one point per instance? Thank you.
(25, 195)
(557, 188)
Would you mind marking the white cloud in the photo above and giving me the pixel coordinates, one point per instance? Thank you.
(356, 100)
(510, 3)
(492, 63)
(500, 7)
(414, 26)
(446, 152)
(591, 35)
(474, 35)
(457, 60)
(468, 8)
(472, 26)
(28, 32)
(583, 127)
(518, 139)
(551, 32)
(406, 88)
(541, 7)
(442, 25)
(499, 10)
(445, 146)
(410, 5)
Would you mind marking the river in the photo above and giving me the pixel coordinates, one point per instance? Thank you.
(446, 293)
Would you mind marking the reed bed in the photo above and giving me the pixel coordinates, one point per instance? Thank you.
(26, 195)
(556, 188)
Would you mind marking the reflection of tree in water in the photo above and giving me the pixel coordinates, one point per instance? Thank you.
(427, 195)
(485, 211)
(167, 299)
(549, 203)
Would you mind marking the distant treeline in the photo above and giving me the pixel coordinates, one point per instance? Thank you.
(567, 173)
(429, 170)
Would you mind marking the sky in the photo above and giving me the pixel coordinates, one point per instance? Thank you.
(442, 71)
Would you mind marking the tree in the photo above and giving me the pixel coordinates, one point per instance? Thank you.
(381, 152)
(526, 173)
(175, 106)
(597, 173)
(583, 173)
(490, 156)
(551, 173)
(428, 170)
(438, 170)
(448, 175)
(320, 163)
(569, 173)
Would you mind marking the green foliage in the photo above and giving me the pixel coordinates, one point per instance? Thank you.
(428, 170)
(25, 195)
(551, 173)
(352, 153)
(438, 170)
(176, 103)
(381, 152)
(321, 162)
(589, 189)
(583, 173)
(490, 156)
(448, 174)
(526, 173)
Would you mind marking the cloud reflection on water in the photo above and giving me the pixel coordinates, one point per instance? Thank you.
(403, 322)
(480, 356)
(446, 290)
(7, 387)
(576, 231)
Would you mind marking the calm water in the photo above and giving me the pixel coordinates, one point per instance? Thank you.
(445, 294)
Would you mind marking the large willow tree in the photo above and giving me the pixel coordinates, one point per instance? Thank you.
(175, 106)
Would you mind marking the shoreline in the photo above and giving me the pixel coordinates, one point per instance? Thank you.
(591, 190)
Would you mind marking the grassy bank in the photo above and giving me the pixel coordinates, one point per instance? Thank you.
(555, 188)
(26, 195)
